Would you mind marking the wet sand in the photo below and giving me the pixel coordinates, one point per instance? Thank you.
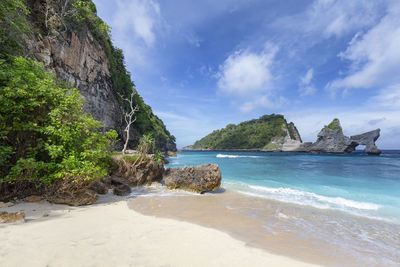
(296, 231)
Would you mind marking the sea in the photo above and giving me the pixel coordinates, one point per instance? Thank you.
(352, 200)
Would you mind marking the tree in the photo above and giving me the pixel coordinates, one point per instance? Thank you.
(129, 118)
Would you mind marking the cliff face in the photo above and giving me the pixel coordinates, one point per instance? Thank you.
(76, 56)
(79, 60)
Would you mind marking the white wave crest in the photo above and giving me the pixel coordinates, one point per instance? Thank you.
(236, 156)
(309, 198)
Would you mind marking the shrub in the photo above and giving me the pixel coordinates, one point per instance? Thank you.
(44, 133)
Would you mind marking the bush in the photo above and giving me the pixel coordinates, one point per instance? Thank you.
(44, 134)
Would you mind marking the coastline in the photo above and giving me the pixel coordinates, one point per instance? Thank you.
(304, 233)
(108, 233)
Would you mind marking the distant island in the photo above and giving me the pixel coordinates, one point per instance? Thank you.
(272, 133)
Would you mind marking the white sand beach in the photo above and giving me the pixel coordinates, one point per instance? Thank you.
(111, 234)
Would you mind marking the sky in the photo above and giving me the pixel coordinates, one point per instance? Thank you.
(204, 64)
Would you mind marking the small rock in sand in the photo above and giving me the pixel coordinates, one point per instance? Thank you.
(6, 217)
(6, 204)
(33, 198)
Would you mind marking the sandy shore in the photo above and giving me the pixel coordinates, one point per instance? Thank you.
(111, 234)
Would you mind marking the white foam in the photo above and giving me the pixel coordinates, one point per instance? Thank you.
(235, 156)
(309, 198)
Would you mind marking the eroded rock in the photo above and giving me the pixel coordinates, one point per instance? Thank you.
(206, 177)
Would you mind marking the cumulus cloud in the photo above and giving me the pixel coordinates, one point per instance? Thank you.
(245, 72)
(306, 86)
(263, 102)
(374, 56)
(139, 16)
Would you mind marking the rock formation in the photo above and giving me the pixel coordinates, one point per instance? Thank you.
(77, 57)
(199, 179)
(332, 140)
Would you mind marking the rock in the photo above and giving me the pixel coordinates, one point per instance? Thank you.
(6, 204)
(332, 140)
(33, 198)
(6, 217)
(122, 190)
(368, 139)
(78, 198)
(99, 187)
(206, 177)
(144, 173)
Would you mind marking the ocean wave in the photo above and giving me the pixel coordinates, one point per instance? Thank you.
(309, 198)
(235, 156)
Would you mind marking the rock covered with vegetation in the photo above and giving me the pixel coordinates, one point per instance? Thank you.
(56, 141)
(268, 133)
(332, 140)
(72, 41)
(199, 179)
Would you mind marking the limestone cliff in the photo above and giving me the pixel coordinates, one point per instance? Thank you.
(332, 140)
(76, 54)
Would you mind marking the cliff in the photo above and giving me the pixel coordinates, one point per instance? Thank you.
(268, 133)
(70, 40)
(332, 140)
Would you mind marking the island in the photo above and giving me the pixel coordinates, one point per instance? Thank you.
(272, 133)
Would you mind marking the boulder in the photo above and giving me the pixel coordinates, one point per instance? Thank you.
(75, 198)
(199, 179)
(6, 217)
(99, 187)
(122, 190)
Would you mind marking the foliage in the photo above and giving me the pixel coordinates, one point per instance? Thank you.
(45, 135)
(255, 133)
(334, 125)
(13, 26)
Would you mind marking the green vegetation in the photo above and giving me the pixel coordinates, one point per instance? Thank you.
(255, 133)
(334, 125)
(44, 134)
(13, 26)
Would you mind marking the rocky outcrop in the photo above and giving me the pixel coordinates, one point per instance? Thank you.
(332, 140)
(199, 179)
(368, 140)
(290, 142)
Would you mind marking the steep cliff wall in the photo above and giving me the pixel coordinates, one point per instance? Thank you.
(66, 39)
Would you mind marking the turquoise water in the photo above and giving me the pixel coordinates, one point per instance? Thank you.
(361, 185)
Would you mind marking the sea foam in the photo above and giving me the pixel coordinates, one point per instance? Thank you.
(236, 156)
(308, 198)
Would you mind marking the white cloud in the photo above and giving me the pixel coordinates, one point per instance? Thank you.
(339, 17)
(263, 102)
(140, 16)
(374, 56)
(246, 72)
(305, 86)
(388, 98)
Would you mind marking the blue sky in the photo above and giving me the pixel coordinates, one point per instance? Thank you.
(203, 64)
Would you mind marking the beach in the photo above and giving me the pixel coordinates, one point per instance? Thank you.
(108, 233)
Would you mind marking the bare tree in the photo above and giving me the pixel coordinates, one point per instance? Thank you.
(129, 119)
